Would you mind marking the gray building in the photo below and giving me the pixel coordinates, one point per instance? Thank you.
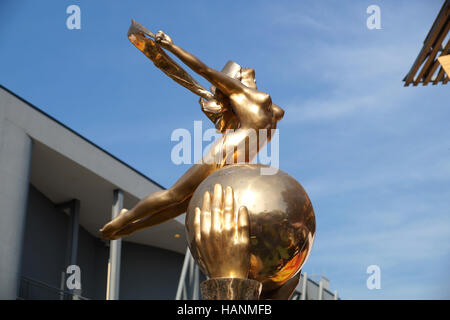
(56, 190)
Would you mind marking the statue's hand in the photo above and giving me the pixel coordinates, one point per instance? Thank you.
(211, 106)
(163, 39)
(222, 236)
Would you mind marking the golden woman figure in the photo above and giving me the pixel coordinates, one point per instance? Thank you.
(236, 104)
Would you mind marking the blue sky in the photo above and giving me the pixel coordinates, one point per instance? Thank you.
(373, 155)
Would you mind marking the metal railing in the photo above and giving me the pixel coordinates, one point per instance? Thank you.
(31, 289)
(189, 284)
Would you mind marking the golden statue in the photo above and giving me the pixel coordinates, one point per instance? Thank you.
(236, 104)
(253, 237)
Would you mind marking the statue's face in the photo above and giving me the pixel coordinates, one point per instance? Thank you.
(248, 77)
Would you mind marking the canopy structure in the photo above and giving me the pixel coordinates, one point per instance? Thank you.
(432, 65)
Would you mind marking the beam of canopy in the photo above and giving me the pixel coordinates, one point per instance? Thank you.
(428, 67)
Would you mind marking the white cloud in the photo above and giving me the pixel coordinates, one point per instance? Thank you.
(362, 78)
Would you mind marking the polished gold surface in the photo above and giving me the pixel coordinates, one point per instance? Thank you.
(137, 36)
(235, 104)
(240, 223)
(282, 222)
(221, 235)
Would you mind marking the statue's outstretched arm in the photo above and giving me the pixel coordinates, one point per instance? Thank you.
(137, 35)
(218, 79)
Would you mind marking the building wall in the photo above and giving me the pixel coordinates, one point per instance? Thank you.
(15, 155)
(146, 272)
(149, 272)
(93, 261)
(44, 248)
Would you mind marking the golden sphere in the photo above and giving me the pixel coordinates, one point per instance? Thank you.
(282, 222)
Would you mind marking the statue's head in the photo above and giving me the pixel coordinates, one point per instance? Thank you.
(245, 75)
(248, 77)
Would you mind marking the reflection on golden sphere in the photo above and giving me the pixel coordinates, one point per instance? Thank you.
(282, 222)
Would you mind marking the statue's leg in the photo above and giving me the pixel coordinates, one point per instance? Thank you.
(161, 200)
